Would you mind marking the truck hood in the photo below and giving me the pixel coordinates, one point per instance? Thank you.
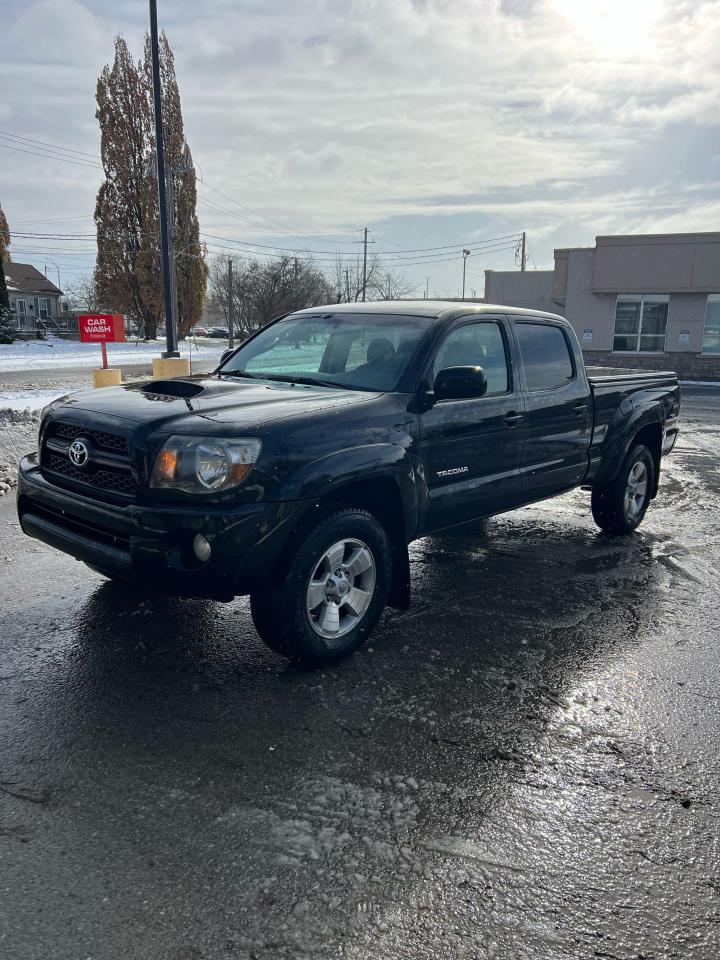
(194, 402)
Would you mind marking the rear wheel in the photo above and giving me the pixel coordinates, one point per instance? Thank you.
(333, 593)
(619, 506)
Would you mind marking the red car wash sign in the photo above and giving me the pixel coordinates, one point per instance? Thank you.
(101, 328)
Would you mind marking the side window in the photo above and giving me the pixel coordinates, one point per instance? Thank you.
(545, 354)
(477, 344)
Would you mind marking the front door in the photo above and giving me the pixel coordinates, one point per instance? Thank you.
(471, 449)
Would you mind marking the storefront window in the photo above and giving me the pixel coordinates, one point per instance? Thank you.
(711, 338)
(640, 323)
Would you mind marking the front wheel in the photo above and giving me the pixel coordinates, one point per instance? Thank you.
(619, 506)
(333, 594)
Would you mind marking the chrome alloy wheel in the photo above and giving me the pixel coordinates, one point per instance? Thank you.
(340, 588)
(636, 490)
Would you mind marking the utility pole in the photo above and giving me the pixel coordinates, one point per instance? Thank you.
(522, 253)
(165, 238)
(169, 194)
(231, 308)
(364, 288)
(427, 288)
(466, 254)
(57, 268)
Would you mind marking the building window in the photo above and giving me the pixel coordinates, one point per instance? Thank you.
(43, 307)
(640, 323)
(711, 337)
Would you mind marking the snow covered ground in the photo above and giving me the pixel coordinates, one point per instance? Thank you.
(29, 399)
(18, 436)
(54, 352)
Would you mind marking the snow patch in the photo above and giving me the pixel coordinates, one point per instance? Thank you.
(55, 352)
(28, 399)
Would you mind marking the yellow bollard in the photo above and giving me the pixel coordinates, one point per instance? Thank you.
(164, 368)
(106, 377)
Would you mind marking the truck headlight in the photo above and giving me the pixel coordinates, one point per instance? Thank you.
(195, 465)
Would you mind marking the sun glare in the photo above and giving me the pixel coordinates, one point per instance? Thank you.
(614, 26)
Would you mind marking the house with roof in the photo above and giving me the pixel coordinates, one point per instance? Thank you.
(34, 300)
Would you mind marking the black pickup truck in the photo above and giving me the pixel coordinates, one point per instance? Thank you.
(300, 469)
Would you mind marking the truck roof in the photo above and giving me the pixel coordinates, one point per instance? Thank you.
(444, 309)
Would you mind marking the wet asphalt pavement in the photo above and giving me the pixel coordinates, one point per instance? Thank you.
(524, 765)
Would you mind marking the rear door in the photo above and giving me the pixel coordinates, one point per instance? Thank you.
(471, 449)
(558, 417)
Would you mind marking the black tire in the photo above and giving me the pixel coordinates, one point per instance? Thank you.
(281, 614)
(611, 510)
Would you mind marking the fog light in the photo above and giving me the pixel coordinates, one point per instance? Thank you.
(201, 548)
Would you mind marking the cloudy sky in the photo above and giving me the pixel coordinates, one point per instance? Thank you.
(438, 124)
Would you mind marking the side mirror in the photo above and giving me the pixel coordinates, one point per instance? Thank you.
(225, 355)
(460, 383)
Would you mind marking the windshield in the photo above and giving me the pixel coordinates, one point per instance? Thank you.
(363, 351)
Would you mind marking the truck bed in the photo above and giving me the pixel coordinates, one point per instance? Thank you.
(625, 376)
(619, 390)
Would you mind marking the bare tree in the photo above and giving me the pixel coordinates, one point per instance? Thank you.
(387, 285)
(218, 283)
(348, 277)
(83, 290)
(263, 291)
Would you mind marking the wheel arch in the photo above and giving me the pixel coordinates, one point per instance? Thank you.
(646, 430)
(380, 494)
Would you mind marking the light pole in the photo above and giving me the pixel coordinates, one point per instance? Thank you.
(466, 254)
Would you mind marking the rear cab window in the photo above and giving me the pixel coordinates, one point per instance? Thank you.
(545, 355)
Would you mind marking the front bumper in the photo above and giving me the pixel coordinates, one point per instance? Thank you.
(153, 545)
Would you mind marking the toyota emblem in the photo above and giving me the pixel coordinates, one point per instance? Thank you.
(78, 453)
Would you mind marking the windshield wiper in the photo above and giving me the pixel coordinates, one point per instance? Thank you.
(308, 381)
(236, 373)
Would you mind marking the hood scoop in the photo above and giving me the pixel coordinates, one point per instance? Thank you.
(172, 389)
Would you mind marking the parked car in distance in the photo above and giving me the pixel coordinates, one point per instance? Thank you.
(300, 469)
(218, 333)
(199, 332)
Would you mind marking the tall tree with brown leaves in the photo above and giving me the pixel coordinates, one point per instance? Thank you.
(190, 267)
(7, 333)
(128, 273)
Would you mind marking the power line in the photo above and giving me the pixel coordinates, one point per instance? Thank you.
(508, 236)
(261, 215)
(52, 236)
(407, 257)
(262, 226)
(49, 156)
(430, 256)
(310, 255)
(55, 146)
(84, 216)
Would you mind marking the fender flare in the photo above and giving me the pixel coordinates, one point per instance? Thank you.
(621, 440)
(321, 479)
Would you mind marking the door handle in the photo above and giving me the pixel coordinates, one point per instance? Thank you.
(512, 419)
(580, 409)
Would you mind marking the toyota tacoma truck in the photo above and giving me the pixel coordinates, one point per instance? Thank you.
(301, 468)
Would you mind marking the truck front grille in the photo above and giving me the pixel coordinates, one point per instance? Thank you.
(108, 470)
(101, 439)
